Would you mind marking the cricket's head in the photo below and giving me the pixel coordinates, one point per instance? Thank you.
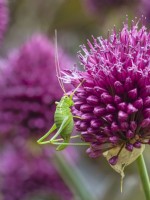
(68, 100)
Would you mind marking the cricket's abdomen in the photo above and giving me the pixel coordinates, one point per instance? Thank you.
(60, 115)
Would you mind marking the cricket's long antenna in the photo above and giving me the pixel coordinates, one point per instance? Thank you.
(57, 64)
(76, 88)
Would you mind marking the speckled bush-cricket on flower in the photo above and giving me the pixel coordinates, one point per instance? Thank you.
(63, 118)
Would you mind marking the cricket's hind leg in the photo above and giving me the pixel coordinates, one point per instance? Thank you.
(40, 141)
(65, 144)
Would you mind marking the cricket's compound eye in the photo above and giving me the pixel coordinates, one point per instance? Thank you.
(67, 98)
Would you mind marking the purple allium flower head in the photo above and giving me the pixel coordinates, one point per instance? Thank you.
(114, 99)
(25, 174)
(29, 87)
(3, 17)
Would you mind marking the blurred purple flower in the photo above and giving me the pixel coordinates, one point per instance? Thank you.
(25, 173)
(144, 9)
(114, 99)
(3, 17)
(97, 6)
(29, 87)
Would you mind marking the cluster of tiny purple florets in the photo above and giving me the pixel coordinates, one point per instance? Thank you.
(114, 98)
(26, 174)
(29, 87)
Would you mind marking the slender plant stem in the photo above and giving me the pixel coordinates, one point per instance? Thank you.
(71, 175)
(144, 176)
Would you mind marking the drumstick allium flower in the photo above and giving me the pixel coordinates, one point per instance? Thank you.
(30, 175)
(29, 87)
(113, 102)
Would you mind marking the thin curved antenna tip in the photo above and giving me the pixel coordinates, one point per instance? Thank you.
(57, 64)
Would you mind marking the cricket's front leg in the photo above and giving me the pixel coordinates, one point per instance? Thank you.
(77, 117)
(40, 141)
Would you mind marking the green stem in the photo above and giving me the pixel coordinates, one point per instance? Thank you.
(144, 176)
(71, 175)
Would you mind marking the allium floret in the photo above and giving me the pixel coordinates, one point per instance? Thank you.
(114, 99)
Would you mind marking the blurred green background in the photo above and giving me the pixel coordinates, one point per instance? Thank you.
(76, 21)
